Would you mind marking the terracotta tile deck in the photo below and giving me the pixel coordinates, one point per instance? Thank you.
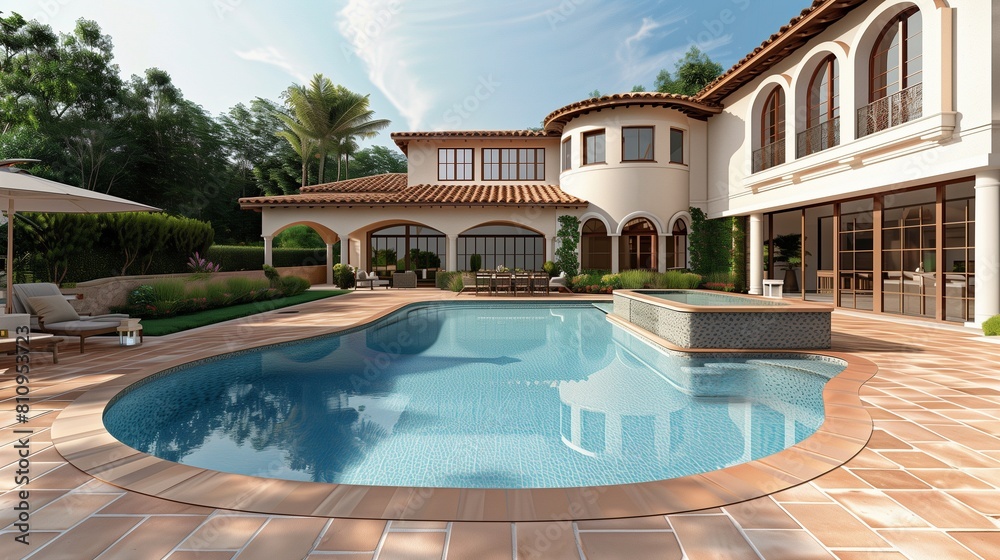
(927, 485)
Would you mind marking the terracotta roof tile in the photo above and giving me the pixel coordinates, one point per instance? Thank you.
(797, 32)
(391, 189)
(688, 105)
(387, 182)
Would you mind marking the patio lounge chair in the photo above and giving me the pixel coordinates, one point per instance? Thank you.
(369, 279)
(559, 283)
(51, 313)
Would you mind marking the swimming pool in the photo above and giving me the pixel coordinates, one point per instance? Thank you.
(474, 396)
(704, 298)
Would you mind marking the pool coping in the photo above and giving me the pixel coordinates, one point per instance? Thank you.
(79, 435)
(768, 305)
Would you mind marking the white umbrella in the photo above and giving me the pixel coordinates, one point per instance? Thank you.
(21, 191)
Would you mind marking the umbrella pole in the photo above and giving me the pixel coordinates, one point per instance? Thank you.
(10, 254)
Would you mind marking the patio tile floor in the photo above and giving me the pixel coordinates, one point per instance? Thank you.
(927, 485)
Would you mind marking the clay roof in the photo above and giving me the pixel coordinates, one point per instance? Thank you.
(387, 182)
(686, 104)
(390, 190)
(403, 139)
(803, 27)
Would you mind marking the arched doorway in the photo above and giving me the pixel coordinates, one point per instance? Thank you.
(501, 244)
(595, 246)
(406, 247)
(637, 245)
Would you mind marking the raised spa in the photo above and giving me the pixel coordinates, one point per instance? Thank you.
(475, 396)
(713, 320)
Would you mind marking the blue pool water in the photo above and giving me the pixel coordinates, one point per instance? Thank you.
(691, 297)
(476, 396)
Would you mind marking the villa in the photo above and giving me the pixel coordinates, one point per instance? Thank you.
(895, 202)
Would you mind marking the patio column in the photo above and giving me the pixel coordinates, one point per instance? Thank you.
(987, 245)
(661, 252)
(345, 250)
(268, 252)
(329, 263)
(756, 253)
(615, 265)
(452, 253)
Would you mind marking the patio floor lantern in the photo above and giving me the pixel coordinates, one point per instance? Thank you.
(128, 333)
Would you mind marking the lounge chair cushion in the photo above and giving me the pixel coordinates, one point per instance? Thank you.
(53, 309)
(80, 326)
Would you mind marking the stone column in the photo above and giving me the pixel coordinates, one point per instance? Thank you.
(661, 252)
(452, 253)
(268, 251)
(329, 263)
(987, 245)
(756, 254)
(615, 265)
(345, 250)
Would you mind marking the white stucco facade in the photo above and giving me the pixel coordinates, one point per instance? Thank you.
(931, 159)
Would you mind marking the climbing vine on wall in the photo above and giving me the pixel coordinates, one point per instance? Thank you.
(714, 248)
(569, 238)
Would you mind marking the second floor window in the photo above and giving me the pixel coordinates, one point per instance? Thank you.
(593, 147)
(567, 153)
(676, 145)
(513, 164)
(454, 164)
(637, 143)
(897, 59)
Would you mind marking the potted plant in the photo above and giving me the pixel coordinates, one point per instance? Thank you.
(788, 251)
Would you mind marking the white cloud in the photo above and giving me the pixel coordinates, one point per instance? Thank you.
(373, 31)
(271, 55)
(645, 30)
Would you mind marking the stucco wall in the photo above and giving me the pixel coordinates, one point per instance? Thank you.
(422, 159)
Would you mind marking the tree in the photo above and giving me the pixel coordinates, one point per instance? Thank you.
(595, 93)
(328, 118)
(638, 88)
(693, 72)
(377, 160)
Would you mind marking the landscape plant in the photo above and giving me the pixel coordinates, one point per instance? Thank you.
(991, 326)
(568, 237)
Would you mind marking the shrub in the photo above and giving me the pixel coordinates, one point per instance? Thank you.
(720, 281)
(991, 326)
(569, 238)
(444, 278)
(168, 290)
(456, 284)
(272, 275)
(143, 295)
(475, 262)
(245, 290)
(677, 280)
(293, 285)
(613, 281)
(551, 268)
(217, 294)
(637, 279)
(343, 275)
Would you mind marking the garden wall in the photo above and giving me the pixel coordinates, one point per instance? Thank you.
(97, 296)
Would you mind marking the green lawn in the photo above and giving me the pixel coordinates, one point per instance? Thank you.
(158, 327)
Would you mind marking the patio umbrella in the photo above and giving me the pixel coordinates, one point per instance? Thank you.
(21, 191)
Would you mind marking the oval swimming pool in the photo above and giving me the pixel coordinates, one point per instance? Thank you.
(475, 396)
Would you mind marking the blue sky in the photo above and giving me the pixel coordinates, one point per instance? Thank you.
(428, 64)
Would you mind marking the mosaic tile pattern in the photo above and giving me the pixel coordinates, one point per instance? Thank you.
(730, 329)
(927, 485)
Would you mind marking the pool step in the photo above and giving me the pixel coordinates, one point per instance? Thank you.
(607, 308)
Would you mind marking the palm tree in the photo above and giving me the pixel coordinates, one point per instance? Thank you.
(326, 118)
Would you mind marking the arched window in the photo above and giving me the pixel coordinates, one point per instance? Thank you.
(895, 93)
(772, 132)
(679, 234)
(822, 109)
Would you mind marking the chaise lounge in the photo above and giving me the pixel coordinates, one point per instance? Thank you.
(51, 313)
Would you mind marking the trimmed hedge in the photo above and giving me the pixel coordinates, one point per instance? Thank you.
(236, 257)
(991, 326)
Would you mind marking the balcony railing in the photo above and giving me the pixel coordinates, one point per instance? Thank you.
(898, 108)
(820, 137)
(768, 156)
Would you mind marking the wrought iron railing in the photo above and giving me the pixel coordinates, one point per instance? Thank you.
(898, 108)
(768, 156)
(820, 137)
